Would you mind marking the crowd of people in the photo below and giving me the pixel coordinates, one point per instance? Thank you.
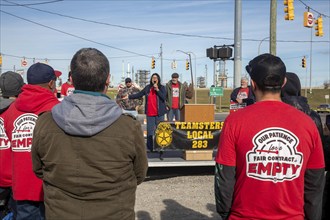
(60, 160)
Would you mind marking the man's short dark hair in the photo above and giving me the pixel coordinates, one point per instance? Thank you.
(90, 69)
(268, 72)
(175, 75)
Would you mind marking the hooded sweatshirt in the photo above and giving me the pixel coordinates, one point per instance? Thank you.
(89, 154)
(86, 113)
(5, 153)
(20, 120)
(291, 94)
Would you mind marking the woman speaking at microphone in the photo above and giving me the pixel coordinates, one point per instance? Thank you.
(155, 107)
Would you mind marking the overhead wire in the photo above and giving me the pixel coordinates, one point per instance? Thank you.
(120, 26)
(76, 36)
(40, 3)
(38, 58)
(83, 38)
(311, 9)
(156, 31)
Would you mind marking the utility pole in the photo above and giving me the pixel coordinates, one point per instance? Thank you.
(272, 31)
(0, 64)
(238, 42)
(214, 78)
(128, 71)
(205, 75)
(123, 72)
(161, 62)
(310, 63)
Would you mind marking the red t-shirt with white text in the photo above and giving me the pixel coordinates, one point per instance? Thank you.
(175, 95)
(271, 144)
(67, 89)
(243, 93)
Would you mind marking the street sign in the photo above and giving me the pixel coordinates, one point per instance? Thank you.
(308, 19)
(24, 63)
(216, 91)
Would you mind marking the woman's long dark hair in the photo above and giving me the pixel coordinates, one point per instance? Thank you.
(151, 83)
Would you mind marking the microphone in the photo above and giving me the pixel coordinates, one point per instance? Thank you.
(154, 82)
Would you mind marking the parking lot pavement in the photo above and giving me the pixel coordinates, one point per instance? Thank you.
(182, 193)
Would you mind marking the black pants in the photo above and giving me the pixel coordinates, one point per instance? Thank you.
(7, 203)
(326, 198)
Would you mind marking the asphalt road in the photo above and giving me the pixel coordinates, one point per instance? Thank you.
(182, 193)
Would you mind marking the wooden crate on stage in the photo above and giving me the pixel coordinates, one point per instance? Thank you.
(197, 113)
(198, 155)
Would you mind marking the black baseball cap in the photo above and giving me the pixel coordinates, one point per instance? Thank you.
(128, 80)
(267, 71)
(40, 73)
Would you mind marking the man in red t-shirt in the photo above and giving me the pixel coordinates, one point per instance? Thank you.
(176, 94)
(270, 162)
(241, 96)
(67, 87)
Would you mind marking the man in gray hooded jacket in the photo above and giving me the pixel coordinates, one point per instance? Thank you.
(89, 166)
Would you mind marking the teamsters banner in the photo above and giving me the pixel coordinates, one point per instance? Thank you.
(187, 135)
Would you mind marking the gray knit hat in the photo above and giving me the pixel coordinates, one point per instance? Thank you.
(11, 84)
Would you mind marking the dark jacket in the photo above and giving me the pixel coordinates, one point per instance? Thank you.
(249, 100)
(90, 157)
(128, 104)
(161, 96)
(169, 94)
(300, 103)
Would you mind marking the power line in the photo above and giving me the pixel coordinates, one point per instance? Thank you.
(156, 31)
(40, 3)
(310, 8)
(31, 58)
(76, 36)
(68, 59)
(121, 26)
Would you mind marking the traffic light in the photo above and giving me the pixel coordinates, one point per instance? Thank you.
(289, 9)
(319, 27)
(187, 65)
(153, 62)
(303, 62)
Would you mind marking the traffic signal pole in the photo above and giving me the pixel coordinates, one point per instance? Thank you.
(161, 62)
(272, 32)
(310, 63)
(238, 44)
(0, 64)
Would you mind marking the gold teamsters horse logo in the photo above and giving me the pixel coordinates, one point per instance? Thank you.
(164, 134)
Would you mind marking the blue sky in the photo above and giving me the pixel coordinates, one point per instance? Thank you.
(56, 38)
